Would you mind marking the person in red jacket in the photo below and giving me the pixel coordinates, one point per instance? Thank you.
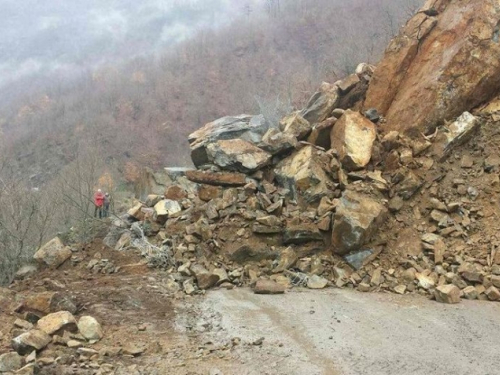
(98, 202)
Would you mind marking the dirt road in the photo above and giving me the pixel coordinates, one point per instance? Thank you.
(344, 332)
(235, 332)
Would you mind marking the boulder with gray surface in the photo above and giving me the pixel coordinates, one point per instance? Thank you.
(245, 127)
(357, 219)
(306, 172)
(237, 155)
(321, 104)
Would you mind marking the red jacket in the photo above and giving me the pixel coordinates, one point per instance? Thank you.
(99, 199)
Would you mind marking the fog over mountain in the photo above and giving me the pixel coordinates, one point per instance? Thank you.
(64, 36)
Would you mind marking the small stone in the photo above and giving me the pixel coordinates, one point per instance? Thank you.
(406, 156)
(268, 287)
(227, 285)
(364, 287)
(325, 223)
(20, 323)
(470, 293)
(222, 274)
(26, 271)
(396, 204)
(90, 328)
(447, 294)
(376, 279)
(204, 278)
(10, 362)
(316, 282)
(467, 161)
(74, 344)
(46, 361)
(400, 289)
(31, 357)
(258, 342)
(357, 260)
(495, 280)
(188, 287)
(424, 281)
(493, 293)
(53, 253)
(133, 349)
(287, 259)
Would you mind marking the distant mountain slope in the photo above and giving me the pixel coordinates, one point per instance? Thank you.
(140, 111)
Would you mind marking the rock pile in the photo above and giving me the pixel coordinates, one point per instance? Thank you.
(309, 215)
(358, 189)
(35, 339)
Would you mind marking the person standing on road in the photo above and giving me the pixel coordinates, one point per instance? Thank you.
(98, 202)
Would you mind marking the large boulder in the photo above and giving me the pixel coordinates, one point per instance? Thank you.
(321, 104)
(356, 220)
(306, 172)
(237, 155)
(244, 127)
(353, 136)
(53, 253)
(439, 66)
(165, 209)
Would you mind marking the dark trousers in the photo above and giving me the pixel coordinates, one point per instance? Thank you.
(98, 211)
(106, 210)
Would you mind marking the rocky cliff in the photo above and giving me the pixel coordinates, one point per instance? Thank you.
(444, 62)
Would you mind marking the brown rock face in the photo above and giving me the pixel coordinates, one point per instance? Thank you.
(439, 67)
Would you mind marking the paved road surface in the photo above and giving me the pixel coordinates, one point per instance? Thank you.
(345, 332)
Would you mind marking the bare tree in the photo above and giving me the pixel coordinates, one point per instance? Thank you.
(26, 216)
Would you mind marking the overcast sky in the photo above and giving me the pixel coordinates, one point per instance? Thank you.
(63, 35)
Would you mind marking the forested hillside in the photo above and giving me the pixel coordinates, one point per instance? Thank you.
(140, 111)
(60, 140)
